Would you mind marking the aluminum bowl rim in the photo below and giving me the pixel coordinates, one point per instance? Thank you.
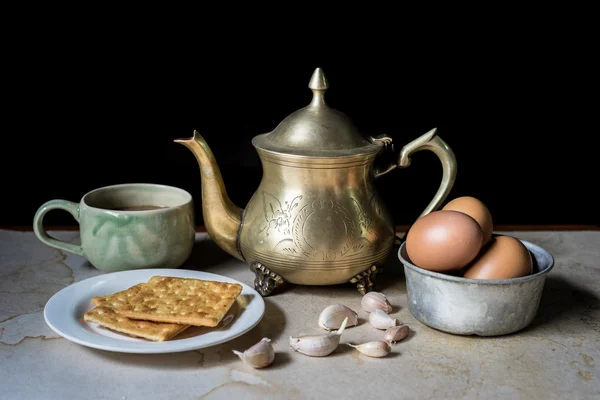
(459, 279)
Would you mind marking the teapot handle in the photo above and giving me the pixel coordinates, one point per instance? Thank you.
(428, 141)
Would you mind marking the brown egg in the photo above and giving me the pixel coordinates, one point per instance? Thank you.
(477, 210)
(504, 257)
(444, 241)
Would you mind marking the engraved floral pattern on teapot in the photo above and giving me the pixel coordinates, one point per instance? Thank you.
(289, 219)
(277, 216)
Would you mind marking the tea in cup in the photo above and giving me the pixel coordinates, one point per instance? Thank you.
(128, 226)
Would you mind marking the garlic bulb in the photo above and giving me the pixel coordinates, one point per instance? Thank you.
(396, 333)
(380, 320)
(376, 348)
(258, 356)
(318, 345)
(375, 300)
(333, 316)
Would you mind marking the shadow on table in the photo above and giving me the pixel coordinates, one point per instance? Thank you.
(271, 326)
(206, 254)
(560, 298)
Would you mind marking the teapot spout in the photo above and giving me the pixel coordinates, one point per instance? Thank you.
(222, 218)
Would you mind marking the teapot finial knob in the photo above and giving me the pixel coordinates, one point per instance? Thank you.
(318, 80)
(318, 84)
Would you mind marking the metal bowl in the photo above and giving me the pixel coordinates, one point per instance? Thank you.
(464, 306)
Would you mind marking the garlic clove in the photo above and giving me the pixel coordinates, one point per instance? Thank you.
(333, 316)
(381, 320)
(375, 300)
(395, 334)
(376, 348)
(260, 355)
(315, 346)
(318, 345)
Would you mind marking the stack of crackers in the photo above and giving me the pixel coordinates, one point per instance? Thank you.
(164, 306)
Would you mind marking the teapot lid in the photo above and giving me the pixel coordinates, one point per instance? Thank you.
(316, 130)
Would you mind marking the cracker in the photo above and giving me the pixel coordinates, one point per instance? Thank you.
(176, 300)
(102, 300)
(154, 331)
(146, 330)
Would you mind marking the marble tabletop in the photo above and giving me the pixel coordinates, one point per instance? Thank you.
(556, 357)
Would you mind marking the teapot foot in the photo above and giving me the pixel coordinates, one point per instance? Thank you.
(266, 280)
(365, 281)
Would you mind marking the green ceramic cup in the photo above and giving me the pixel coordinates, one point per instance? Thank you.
(128, 226)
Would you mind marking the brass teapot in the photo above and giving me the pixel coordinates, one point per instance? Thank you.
(316, 218)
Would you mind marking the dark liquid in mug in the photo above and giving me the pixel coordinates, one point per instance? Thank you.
(139, 208)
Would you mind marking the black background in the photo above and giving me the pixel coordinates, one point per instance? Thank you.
(99, 110)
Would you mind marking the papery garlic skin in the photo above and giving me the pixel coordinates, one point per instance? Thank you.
(260, 355)
(372, 301)
(381, 320)
(315, 346)
(333, 316)
(376, 348)
(318, 345)
(396, 334)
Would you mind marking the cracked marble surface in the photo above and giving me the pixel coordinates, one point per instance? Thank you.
(556, 357)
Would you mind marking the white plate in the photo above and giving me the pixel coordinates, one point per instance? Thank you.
(64, 314)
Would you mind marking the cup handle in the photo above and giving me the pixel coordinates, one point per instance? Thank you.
(40, 232)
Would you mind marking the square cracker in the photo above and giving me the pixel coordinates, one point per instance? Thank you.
(154, 331)
(176, 300)
(103, 300)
